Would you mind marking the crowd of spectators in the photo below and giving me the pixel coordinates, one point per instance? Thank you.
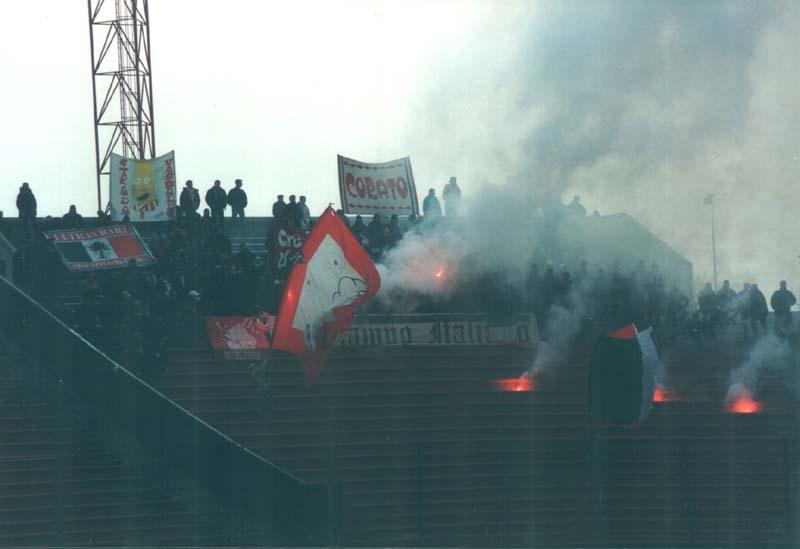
(748, 306)
(129, 312)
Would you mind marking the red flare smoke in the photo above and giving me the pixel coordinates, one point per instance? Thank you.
(741, 401)
(665, 395)
(514, 385)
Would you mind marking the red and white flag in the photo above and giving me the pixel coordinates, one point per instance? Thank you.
(322, 293)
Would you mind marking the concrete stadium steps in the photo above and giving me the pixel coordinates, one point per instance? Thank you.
(428, 454)
(59, 486)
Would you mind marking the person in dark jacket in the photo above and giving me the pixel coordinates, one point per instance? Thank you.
(189, 200)
(782, 301)
(305, 213)
(395, 232)
(707, 304)
(293, 213)
(758, 310)
(343, 217)
(26, 205)
(26, 202)
(217, 200)
(359, 229)
(431, 208)
(103, 219)
(279, 210)
(376, 234)
(72, 219)
(726, 296)
(237, 199)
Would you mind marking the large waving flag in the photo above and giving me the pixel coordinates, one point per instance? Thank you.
(322, 293)
(624, 366)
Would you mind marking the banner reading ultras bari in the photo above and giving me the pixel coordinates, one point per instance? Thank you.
(144, 190)
(385, 188)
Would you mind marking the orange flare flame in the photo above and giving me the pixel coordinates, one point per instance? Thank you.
(514, 385)
(664, 395)
(740, 401)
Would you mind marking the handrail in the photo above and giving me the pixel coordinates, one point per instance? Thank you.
(179, 444)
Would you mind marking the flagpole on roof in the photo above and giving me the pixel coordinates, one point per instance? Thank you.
(709, 200)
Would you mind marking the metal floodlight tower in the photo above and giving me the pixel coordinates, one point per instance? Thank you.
(122, 84)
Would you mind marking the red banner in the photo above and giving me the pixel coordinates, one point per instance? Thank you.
(322, 294)
(240, 337)
(288, 247)
(102, 248)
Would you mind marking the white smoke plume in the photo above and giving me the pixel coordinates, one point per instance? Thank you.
(769, 354)
(563, 325)
(496, 234)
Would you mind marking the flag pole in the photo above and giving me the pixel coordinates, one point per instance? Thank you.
(713, 244)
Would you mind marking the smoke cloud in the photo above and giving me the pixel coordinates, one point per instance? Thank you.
(641, 107)
(769, 354)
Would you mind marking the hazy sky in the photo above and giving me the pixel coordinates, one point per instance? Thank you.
(642, 107)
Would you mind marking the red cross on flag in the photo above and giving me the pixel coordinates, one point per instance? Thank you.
(322, 293)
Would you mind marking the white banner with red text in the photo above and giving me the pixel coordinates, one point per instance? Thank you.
(385, 188)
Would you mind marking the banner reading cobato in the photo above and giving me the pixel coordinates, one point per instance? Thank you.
(385, 188)
(102, 248)
(144, 190)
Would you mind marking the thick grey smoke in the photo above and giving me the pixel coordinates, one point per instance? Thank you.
(497, 234)
(562, 327)
(641, 107)
(769, 354)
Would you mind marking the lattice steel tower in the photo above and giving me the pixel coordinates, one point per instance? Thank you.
(122, 84)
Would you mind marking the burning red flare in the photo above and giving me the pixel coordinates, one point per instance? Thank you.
(664, 395)
(514, 385)
(740, 401)
(440, 273)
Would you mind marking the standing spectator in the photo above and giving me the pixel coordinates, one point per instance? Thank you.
(452, 197)
(293, 212)
(576, 207)
(189, 200)
(343, 217)
(725, 300)
(279, 210)
(430, 206)
(217, 200)
(237, 199)
(395, 233)
(758, 309)
(103, 219)
(676, 307)
(305, 214)
(707, 304)
(376, 234)
(359, 229)
(782, 301)
(26, 205)
(72, 219)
